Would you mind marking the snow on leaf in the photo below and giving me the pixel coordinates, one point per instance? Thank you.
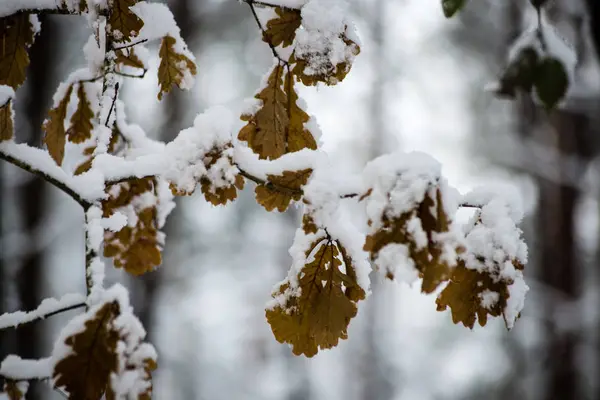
(282, 30)
(102, 353)
(81, 122)
(326, 45)
(175, 67)
(278, 126)
(409, 219)
(279, 190)
(491, 268)
(312, 308)
(123, 20)
(6, 122)
(54, 128)
(136, 249)
(16, 35)
(85, 372)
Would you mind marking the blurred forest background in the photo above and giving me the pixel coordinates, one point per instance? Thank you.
(417, 85)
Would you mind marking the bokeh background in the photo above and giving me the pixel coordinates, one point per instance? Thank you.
(417, 85)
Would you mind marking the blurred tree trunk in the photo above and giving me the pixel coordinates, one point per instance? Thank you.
(176, 105)
(375, 367)
(33, 193)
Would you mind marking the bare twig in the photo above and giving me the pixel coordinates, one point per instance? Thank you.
(130, 45)
(126, 75)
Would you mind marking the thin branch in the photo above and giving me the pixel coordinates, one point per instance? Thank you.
(266, 37)
(62, 186)
(126, 75)
(266, 4)
(470, 205)
(112, 106)
(50, 314)
(130, 45)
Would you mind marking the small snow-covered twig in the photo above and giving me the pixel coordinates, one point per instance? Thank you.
(47, 308)
(55, 176)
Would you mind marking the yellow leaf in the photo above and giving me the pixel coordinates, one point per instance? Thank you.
(125, 24)
(319, 316)
(16, 35)
(277, 127)
(174, 67)
(6, 122)
(81, 121)
(464, 296)
(432, 218)
(280, 190)
(282, 30)
(54, 127)
(313, 68)
(85, 372)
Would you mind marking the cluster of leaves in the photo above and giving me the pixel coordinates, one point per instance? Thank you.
(534, 66)
(312, 308)
(530, 70)
(101, 353)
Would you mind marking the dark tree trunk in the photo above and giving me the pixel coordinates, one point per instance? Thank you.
(32, 194)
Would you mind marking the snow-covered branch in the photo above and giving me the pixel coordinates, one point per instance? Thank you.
(47, 308)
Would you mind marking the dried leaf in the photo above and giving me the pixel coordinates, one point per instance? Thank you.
(125, 194)
(431, 217)
(54, 128)
(12, 390)
(6, 122)
(127, 57)
(312, 68)
(221, 195)
(280, 190)
(298, 137)
(136, 249)
(81, 121)
(16, 35)
(277, 127)
(174, 68)
(85, 372)
(466, 296)
(308, 224)
(320, 315)
(125, 24)
(282, 30)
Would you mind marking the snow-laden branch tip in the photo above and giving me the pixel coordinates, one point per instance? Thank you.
(47, 308)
